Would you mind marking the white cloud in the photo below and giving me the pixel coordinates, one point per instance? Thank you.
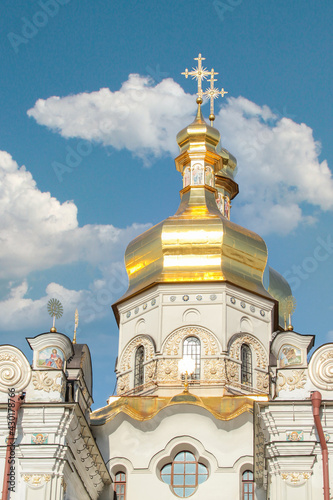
(38, 232)
(279, 168)
(140, 117)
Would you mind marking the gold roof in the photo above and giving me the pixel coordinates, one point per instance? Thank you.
(143, 408)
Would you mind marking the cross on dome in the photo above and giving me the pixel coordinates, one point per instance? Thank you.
(212, 92)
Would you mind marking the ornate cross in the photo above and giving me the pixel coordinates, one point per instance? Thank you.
(198, 73)
(211, 93)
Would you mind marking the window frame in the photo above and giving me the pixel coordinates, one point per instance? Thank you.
(139, 372)
(186, 474)
(194, 352)
(246, 365)
(119, 495)
(247, 481)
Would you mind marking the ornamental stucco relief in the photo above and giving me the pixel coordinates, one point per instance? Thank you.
(295, 478)
(173, 344)
(43, 382)
(262, 381)
(290, 382)
(321, 368)
(214, 369)
(127, 355)
(235, 348)
(232, 371)
(123, 383)
(167, 370)
(15, 371)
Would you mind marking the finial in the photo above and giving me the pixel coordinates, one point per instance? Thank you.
(199, 73)
(76, 324)
(288, 307)
(55, 310)
(211, 93)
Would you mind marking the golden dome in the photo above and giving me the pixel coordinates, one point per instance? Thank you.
(199, 243)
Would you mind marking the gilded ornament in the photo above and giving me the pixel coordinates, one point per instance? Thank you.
(263, 382)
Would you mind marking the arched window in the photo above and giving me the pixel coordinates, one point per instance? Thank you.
(246, 369)
(247, 485)
(119, 486)
(184, 474)
(191, 349)
(138, 368)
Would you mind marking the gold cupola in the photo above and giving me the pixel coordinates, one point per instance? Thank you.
(199, 243)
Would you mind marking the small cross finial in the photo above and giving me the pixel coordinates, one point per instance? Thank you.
(211, 93)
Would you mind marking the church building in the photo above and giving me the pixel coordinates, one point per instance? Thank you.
(216, 398)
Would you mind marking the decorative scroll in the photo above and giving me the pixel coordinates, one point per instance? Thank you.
(321, 368)
(15, 371)
(43, 382)
(173, 344)
(258, 348)
(296, 380)
(126, 358)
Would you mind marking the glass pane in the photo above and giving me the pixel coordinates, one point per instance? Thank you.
(178, 480)
(250, 475)
(179, 492)
(189, 491)
(250, 487)
(250, 496)
(190, 468)
(189, 457)
(246, 487)
(166, 478)
(166, 469)
(180, 457)
(202, 478)
(178, 468)
(202, 469)
(190, 480)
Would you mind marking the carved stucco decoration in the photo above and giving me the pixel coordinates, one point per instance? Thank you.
(167, 370)
(262, 381)
(258, 348)
(174, 342)
(290, 381)
(123, 383)
(295, 478)
(43, 382)
(214, 369)
(36, 479)
(150, 371)
(126, 362)
(321, 368)
(232, 371)
(15, 371)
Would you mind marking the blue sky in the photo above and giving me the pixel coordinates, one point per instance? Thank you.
(99, 164)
